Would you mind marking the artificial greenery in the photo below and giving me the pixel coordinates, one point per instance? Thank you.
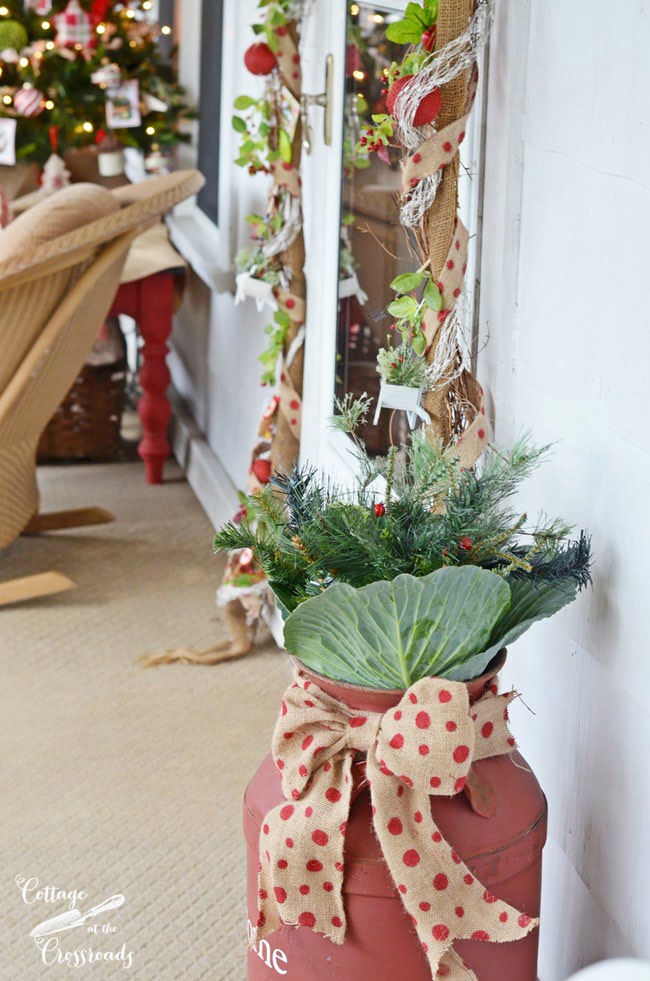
(414, 513)
(401, 366)
(72, 103)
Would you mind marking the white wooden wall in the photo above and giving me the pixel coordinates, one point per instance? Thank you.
(216, 344)
(565, 302)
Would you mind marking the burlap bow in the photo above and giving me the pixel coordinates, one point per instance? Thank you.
(423, 746)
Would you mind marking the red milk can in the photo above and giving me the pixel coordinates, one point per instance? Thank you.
(503, 851)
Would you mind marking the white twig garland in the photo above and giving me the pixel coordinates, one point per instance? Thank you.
(453, 339)
(439, 69)
(291, 224)
(420, 200)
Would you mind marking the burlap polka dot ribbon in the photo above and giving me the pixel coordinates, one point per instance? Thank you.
(436, 152)
(288, 60)
(450, 281)
(424, 746)
(287, 176)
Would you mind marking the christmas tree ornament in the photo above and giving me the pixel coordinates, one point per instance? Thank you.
(13, 37)
(380, 510)
(156, 162)
(55, 173)
(107, 76)
(40, 7)
(429, 106)
(110, 156)
(99, 10)
(73, 26)
(259, 59)
(7, 141)
(29, 101)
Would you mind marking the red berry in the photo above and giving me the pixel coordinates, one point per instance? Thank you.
(429, 106)
(466, 544)
(380, 510)
(428, 39)
(259, 59)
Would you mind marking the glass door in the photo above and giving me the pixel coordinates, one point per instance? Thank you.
(354, 241)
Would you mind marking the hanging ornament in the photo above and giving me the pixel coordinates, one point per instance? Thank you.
(380, 510)
(429, 106)
(107, 76)
(55, 173)
(40, 7)
(7, 141)
(13, 37)
(28, 101)
(156, 162)
(110, 157)
(73, 26)
(99, 10)
(259, 59)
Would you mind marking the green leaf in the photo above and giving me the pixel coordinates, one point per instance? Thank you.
(282, 318)
(244, 102)
(416, 14)
(403, 306)
(431, 6)
(433, 296)
(530, 602)
(239, 124)
(284, 146)
(391, 634)
(404, 32)
(406, 282)
(419, 344)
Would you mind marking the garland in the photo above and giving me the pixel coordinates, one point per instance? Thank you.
(429, 95)
(271, 271)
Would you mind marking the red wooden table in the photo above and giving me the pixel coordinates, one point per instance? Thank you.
(150, 301)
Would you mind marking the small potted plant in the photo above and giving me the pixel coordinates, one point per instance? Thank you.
(404, 371)
(400, 598)
(403, 379)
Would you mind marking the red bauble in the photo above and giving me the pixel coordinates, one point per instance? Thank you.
(380, 510)
(428, 39)
(466, 544)
(429, 106)
(259, 59)
(262, 470)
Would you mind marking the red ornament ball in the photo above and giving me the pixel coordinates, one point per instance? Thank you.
(259, 59)
(262, 470)
(380, 510)
(429, 106)
(466, 544)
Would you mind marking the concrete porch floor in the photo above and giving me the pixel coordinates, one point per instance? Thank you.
(121, 780)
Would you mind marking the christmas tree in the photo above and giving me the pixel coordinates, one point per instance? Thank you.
(73, 70)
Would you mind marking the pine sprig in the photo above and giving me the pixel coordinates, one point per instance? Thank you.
(312, 532)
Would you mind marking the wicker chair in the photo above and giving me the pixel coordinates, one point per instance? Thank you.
(53, 300)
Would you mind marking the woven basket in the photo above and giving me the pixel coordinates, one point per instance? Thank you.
(86, 426)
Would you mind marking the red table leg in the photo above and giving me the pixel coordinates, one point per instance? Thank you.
(155, 313)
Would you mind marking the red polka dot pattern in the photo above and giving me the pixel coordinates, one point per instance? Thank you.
(302, 858)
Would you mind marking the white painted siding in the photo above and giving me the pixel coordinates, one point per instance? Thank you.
(566, 303)
(215, 344)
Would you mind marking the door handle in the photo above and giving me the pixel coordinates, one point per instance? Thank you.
(324, 101)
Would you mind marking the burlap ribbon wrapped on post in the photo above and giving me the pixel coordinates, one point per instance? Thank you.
(424, 746)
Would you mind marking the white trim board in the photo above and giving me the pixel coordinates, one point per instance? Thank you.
(205, 474)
